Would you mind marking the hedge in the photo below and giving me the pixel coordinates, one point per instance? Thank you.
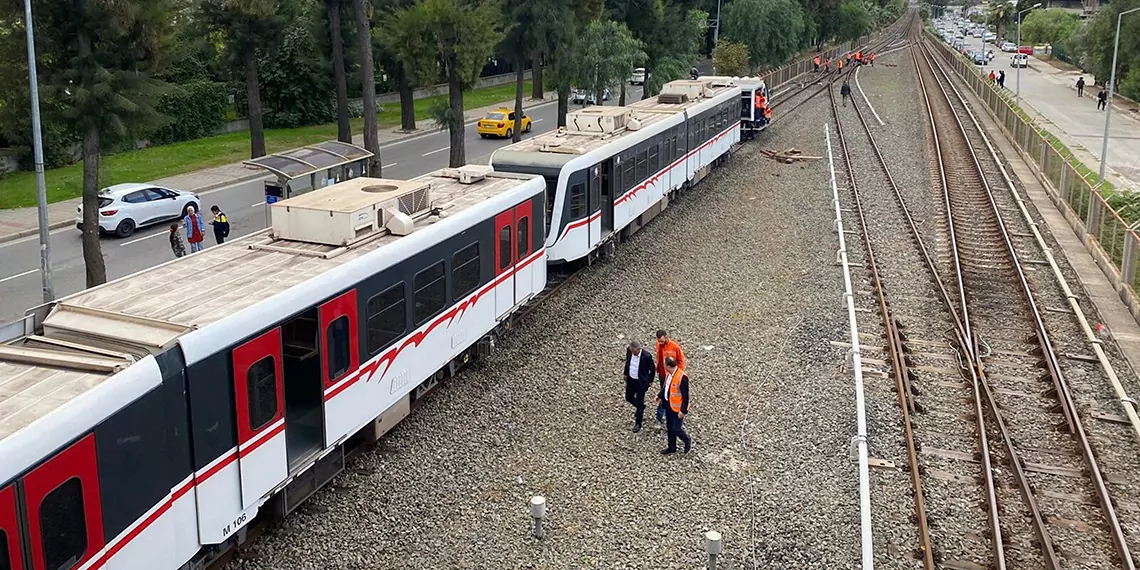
(195, 110)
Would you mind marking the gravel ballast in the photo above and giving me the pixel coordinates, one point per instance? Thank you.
(741, 271)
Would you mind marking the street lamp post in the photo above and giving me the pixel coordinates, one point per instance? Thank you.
(1111, 86)
(38, 154)
(716, 30)
(1017, 97)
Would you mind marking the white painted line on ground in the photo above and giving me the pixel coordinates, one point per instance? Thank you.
(140, 239)
(869, 106)
(436, 150)
(256, 204)
(537, 121)
(389, 165)
(19, 275)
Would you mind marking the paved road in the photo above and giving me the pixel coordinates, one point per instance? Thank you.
(243, 204)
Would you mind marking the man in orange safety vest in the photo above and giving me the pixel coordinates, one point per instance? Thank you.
(675, 396)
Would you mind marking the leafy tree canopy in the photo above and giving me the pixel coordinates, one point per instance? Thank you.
(773, 30)
(730, 58)
(605, 55)
(854, 20)
(1051, 26)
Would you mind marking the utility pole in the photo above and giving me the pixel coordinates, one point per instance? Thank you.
(716, 30)
(1111, 86)
(38, 152)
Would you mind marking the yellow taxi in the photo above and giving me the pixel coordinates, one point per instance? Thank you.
(501, 123)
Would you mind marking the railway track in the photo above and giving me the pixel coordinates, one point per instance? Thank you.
(1001, 464)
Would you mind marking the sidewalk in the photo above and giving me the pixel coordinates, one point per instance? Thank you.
(1049, 95)
(21, 222)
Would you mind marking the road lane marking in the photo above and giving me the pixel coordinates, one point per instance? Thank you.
(256, 204)
(391, 165)
(19, 275)
(537, 121)
(436, 150)
(140, 239)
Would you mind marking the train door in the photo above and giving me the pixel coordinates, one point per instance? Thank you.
(608, 185)
(11, 551)
(504, 262)
(303, 385)
(341, 356)
(524, 276)
(594, 203)
(63, 510)
(259, 397)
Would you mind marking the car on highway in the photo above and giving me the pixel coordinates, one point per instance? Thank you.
(1008, 47)
(501, 123)
(1019, 60)
(637, 77)
(124, 208)
(581, 97)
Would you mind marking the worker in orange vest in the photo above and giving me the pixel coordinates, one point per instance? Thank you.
(839, 64)
(816, 60)
(767, 114)
(827, 65)
(872, 59)
(667, 347)
(859, 57)
(675, 395)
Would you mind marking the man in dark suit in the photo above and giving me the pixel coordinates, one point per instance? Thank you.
(639, 371)
(675, 395)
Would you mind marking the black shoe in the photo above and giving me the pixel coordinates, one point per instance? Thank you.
(636, 427)
(668, 451)
(688, 447)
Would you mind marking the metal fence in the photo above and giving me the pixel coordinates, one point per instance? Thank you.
(1111, 241)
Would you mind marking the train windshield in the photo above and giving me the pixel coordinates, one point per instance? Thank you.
(551, 192)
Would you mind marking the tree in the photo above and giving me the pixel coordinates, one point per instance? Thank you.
(294, 80)
(399, 48)
(730, 58)
(605, 56)
(368, 84)
(340, 78)
(246, 25)
(96, 61)
(458, 38)
(1052, 26)
(675, 46)
(999, 15)
(854, 20)
(773, 30)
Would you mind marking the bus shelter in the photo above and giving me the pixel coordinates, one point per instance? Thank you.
(308, 168)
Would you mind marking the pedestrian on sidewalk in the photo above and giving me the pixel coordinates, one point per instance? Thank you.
(845, 91)
(1101, 99)
(176, 244)
(993, 76)
(221, 224)
(195, 229)
(1001, 79)
(1080, 87)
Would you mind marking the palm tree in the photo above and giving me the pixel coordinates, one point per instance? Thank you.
(999, 16)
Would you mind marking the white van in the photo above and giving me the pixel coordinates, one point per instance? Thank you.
(1019, 60)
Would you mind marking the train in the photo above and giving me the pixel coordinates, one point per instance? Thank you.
(146, 422)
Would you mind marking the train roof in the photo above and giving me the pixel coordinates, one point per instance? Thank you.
(591, 128)
(88, 337)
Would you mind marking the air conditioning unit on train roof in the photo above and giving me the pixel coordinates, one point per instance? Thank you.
(598, 119)
(693, 89)
(352, 210)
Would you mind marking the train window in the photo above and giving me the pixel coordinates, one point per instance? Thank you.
(504, 248)
(465, 271)
(628, 179)
(551, 192)
(339, 357)
(654, 164)
(387, 319)
(5, 558)
(524, 237)
(261, 386)
(642, 164)
(430, 296)
(63, 526)
(577, 201)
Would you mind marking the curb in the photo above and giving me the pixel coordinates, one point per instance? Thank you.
(210, 188)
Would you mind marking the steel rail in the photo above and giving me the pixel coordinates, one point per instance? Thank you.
(1064, 394)
(894, 348)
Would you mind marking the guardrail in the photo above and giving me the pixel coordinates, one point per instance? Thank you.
(1112, 242)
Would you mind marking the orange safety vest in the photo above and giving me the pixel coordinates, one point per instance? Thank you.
(759, 100)
(839, 65)
(767, 112)
(674, 395)
(858, 56)
(872, 58)
(817, 60)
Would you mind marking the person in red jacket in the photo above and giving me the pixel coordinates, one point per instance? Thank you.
(675, 397)
(666, 348)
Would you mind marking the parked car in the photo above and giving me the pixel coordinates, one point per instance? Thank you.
(501, 123)
(1008, 47)
(989, 37)
(123, 208)
(979, 57)
(1027, 50)
(1019, 60)
(580, 96)
(637, 77)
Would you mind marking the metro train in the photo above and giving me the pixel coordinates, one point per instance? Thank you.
(144, 423)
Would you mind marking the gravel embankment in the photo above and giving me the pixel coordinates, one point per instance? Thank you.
(742, 272)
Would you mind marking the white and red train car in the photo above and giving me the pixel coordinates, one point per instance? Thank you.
(612, 169)
(145, 422)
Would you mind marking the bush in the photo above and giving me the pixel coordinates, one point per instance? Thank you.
(296, 87)
(195, 110)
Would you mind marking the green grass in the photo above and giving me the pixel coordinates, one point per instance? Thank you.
(18, 190)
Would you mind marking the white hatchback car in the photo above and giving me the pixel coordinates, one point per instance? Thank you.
(123, 208)
(637, 77)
